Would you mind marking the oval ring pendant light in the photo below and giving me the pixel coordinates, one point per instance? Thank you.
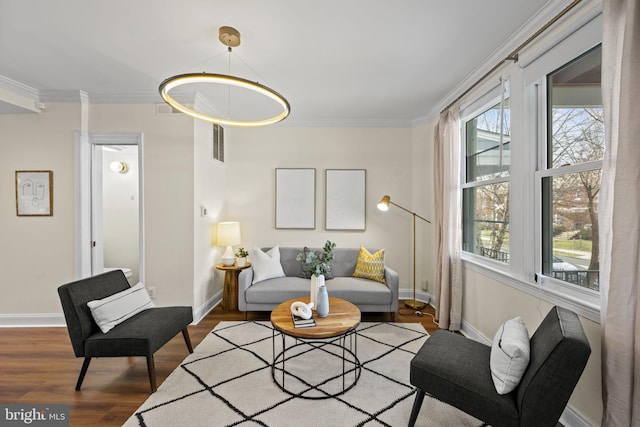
(230, 37)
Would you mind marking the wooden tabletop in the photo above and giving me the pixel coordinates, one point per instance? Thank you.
(343, 316)
(233, 267)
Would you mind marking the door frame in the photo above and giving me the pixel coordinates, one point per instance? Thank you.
(85, 143)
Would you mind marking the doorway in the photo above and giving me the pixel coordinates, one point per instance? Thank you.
(116, 224)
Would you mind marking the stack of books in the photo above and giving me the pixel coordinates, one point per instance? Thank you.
(299, 322)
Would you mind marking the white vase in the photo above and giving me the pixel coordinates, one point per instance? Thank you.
(241, 262)
(316, 282)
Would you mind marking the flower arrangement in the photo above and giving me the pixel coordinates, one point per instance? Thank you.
(317, 263)
(241, 253)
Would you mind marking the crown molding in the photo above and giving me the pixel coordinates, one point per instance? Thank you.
(544, 15)
(16, 97)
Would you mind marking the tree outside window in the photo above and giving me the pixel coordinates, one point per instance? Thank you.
(571, 180)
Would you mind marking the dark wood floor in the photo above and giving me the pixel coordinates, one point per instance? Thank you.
(37, 366)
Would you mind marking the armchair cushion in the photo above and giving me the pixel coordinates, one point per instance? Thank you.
(509, 355)
(115, 309)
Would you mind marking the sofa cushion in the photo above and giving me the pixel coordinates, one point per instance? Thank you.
(266, 265)
(275, 291)
(115, 309)
(356, 290)
(360, 291)
(370, 266)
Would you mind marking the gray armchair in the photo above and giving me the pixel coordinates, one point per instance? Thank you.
(455, 370)
(140, 335)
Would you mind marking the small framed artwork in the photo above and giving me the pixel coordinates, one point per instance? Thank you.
(34, 193)
(296, 198)
(345, 199)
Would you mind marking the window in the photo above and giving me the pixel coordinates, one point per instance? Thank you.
(530, 208)
(485, 189)
(570, 172)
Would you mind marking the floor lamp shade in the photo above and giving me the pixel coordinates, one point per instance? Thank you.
(228, 235)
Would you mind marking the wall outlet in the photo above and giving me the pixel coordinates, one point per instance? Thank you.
(152, 292)
(425, 285)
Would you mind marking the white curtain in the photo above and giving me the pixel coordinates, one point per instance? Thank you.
(620, 214)
(448, 220)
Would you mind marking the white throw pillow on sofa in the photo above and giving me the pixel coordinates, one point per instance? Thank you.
(115, 309)
(509, 355)
(266, 265)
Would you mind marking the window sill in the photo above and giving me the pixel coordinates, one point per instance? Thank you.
(585, 303)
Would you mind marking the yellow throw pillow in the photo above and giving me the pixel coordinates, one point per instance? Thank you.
(370, 266)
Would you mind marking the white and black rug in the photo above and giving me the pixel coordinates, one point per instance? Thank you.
(227, 381)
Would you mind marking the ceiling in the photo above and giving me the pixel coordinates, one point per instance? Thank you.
(345, 62)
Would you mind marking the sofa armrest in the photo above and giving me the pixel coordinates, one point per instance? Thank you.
(393, 282)
(244, 281)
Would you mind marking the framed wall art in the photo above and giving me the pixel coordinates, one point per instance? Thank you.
(34, 193)
(345, 191)
(296, 198)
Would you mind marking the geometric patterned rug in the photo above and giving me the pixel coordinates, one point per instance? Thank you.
(227, 381)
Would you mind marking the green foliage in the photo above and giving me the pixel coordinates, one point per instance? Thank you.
(318, 262)
(242, 253)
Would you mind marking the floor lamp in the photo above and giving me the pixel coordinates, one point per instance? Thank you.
(383, 205)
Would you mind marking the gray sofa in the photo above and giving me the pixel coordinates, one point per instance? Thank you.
(368, 295)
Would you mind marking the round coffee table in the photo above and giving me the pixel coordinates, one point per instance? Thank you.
(335, 335)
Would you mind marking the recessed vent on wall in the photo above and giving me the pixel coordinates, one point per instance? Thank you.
(218, 142)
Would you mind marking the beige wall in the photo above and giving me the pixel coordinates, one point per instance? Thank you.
(387, 154)
(487, 303)
(209, 193)
(37, 253)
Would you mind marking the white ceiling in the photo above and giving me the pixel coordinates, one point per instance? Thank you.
(336, 61)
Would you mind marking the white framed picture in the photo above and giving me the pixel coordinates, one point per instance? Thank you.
(296, 198)
(345, 191)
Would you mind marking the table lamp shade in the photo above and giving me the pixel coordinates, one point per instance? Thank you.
(228, 235)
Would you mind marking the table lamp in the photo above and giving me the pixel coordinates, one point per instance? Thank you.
(228, 235)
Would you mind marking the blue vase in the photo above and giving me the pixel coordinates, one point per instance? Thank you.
(322, 307)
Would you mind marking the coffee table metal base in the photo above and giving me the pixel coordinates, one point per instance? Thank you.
(347, 345)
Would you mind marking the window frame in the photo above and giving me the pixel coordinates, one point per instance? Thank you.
(587, 296)
(496, 95)
(527, 95)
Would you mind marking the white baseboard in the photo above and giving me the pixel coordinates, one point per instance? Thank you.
(571, 418)
(423, 296)
(200, 312)
(32, 320)
(470, 332)
(58, 320)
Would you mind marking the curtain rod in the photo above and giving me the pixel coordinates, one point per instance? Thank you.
(513, 56)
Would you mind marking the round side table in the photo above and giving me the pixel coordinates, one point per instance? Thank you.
(230, 290)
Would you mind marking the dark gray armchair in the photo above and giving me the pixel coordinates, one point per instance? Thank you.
(140, 335)
(455, 370)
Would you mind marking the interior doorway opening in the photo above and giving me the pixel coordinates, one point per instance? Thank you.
(117, 228)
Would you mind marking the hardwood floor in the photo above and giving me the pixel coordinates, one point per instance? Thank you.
(37, 366)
